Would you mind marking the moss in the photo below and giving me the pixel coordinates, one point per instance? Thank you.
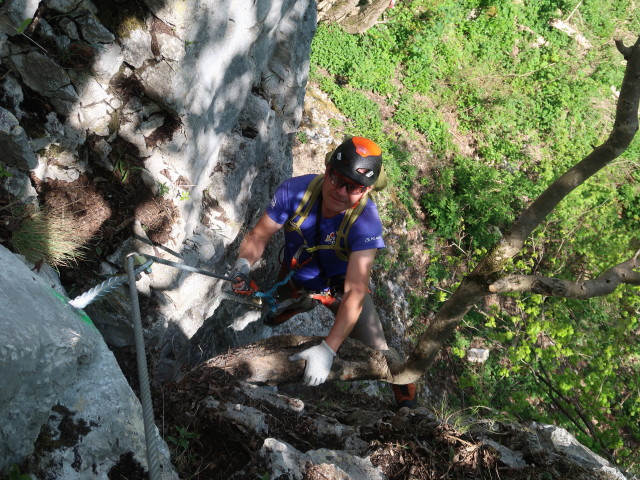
(123, 20)
(114, 122)
(54, 151)
(128, 25)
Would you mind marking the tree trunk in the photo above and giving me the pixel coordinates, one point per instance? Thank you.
(267, 361)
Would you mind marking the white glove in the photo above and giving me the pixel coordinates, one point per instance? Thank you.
(319, 360)
(241, 267)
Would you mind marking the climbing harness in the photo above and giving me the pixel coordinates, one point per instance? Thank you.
(309, 199)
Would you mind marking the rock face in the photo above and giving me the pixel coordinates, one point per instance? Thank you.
(198, 101)
(65, 405)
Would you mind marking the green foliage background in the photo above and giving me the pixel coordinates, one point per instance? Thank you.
(506, 103)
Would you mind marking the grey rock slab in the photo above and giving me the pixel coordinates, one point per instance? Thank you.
(14, 13)
(42, 74)
(54, 362)
(14, 143)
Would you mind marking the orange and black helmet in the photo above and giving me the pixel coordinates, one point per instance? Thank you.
(358, 159)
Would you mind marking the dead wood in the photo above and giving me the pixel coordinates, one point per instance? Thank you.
(267, 361)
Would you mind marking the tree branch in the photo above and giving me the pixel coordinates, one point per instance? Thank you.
(623, 273)
(624, 129)
(475, 286)
(267, 361)
(555, 397)
(573, 403)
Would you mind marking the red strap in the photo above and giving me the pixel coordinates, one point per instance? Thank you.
(253, 288)
(325, 298)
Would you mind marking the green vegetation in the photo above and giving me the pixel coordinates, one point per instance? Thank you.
(181, 445)
(14, 471)
(163, 188)
(489, 104)
(4, 172)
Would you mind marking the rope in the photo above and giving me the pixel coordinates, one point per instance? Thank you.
(81, 301)
(268, 295)
(143, 375)
(187, 268)
(112, 283)
(105, 287)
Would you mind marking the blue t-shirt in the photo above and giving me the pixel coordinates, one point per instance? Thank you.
(365, 233)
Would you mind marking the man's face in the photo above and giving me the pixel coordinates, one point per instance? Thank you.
(339, 193)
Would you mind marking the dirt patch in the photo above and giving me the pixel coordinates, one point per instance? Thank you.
(104, 205)
(404, 444)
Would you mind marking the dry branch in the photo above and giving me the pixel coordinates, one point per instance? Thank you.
(623, 273)
(267, 361)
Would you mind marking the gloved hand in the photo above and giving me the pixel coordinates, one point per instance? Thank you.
(241, 271)
(319, 360)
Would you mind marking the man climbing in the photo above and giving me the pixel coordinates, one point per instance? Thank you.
(332, 234)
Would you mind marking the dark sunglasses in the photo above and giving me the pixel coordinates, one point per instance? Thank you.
(339, 182)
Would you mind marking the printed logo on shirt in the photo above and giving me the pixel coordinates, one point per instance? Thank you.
(372, 239)
(273, 202)
(330, 239)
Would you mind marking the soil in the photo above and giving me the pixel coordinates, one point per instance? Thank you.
(104, 205)
(405, 444)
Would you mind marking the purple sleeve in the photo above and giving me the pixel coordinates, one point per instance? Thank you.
(278, 209)
(366, 232)
(287, 198)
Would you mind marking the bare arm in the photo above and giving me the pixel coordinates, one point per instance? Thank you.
(356, 286)
(254, 243)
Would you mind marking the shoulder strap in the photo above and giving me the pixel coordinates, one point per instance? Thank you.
(301, 213)
(306, 204)
(342, 235)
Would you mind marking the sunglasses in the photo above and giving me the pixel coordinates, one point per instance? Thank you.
(338, 181)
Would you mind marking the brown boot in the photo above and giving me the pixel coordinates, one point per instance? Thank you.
(406, 395)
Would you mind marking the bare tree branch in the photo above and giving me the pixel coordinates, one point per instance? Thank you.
(267, 361)
(623, 273)
(624, 129)
(476, 285)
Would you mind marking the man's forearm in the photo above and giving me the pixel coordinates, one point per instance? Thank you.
(346, 319)
(252, 248)
(254, 243)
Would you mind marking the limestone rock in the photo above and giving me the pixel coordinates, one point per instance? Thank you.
(56, 368)
(15, 13)
(93, 31)
(14, 143)
(63, 6)
(477, 355)
(42, 74)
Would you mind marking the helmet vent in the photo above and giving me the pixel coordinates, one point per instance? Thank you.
(358, 159)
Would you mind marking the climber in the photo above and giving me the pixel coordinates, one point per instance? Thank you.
(332, 234)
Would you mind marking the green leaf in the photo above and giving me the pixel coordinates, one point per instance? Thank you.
(23, 26)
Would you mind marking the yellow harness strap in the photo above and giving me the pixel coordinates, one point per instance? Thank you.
(342, 234)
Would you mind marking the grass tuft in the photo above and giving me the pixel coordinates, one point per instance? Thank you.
(48, 235)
